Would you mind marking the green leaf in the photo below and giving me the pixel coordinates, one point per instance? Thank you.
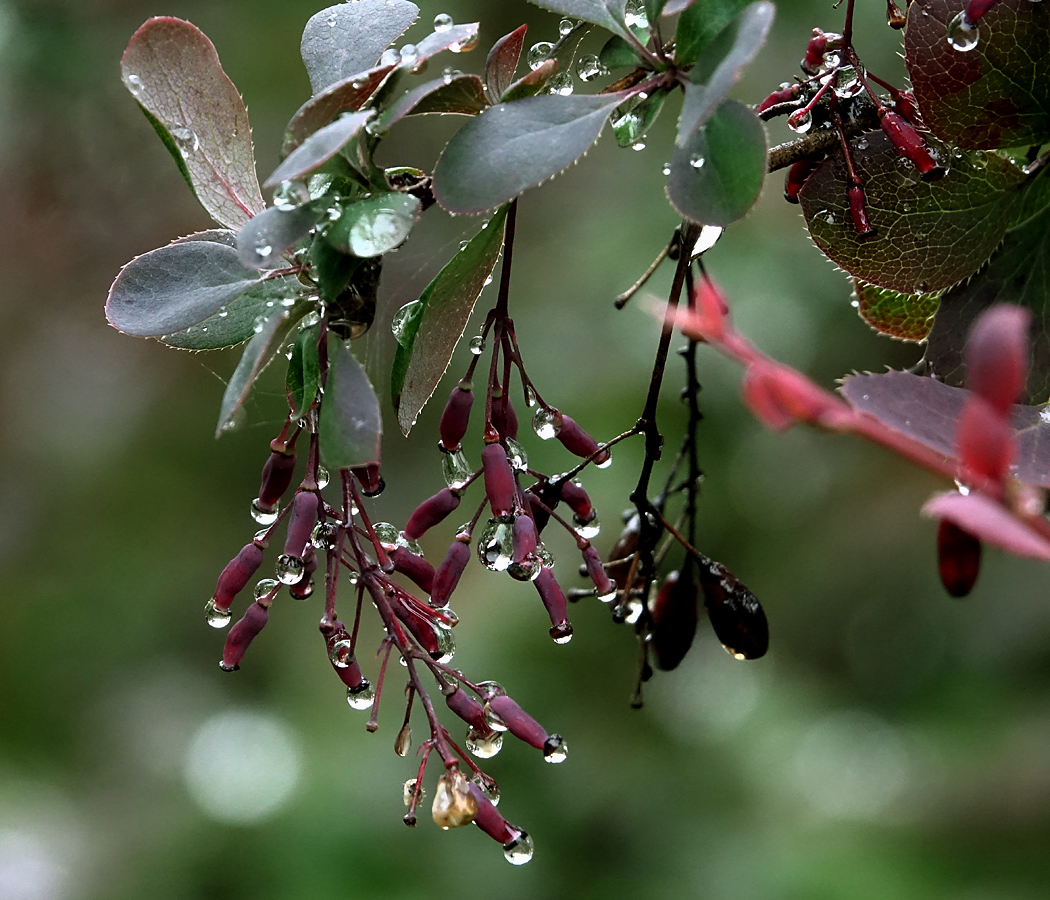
(717, 176)
(173, 287)
(618, 54)
(304, 371)
(930, 235)
(257, 355)
(348, 95)
(348, 38)
(235, 323)
(907, 317)
(633, 125)
(607, 13)
(654, 8)
(173, 71)
(512, 147)
(1018, 273)
(262, 240)
(351, 428)
(460, 94)
(994, 95)
(436, 322)
(330, 269)
(700, 24)
(375, 225)
(531, 83)
(673, 7)
(502, 61)
(320, 147)
(744, 37)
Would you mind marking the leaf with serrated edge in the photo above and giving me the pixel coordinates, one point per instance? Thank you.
(512, 147)
(348, 38)
(906, 317)
(426, 344)
(502, 61)
(994, 95)
(319, 147)
(1018, 273)
(927, 410)
(351, 428)
(700, 24)
(751, 28)
(375, 225)
(173, 71)
(531, 83)
(461, 94)
(732, 146)
(257, 355)
(304, 372)
(607, 13)
(261, 241)
(235, 323)
(930, 235)
(174, 287)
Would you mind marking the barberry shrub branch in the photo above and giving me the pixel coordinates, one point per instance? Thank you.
(907, 188)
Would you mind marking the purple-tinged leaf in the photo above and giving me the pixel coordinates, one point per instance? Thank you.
(459, 94)
(319, 147)
(717, 176)
(512, 147)
(458, 39)
(375, 225)
(673, 7)
(351, 428)
(607, 13)
(173, 287)
(348, 38)
(708, 88)
(531, 83)
(928, 410)
(986, 520)
(347, 95)
(996, 94)
(270, 336)
(173, 71)
(907, 317)
(502, 61)
(930, 235)
(261, 241)
(235, 323)
(432, 326)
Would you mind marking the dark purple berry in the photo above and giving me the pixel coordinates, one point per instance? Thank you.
(241, 635)
(431, 512)
(448, 573)
(236, 575)
(500, 487)
(454, 419)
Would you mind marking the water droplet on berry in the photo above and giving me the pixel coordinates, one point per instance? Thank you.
(963, 34)
(516, 455)
(565, 26)
(217, 618)
(555, 750)
(360, 697)
(477, 345)
(697, 162)
(265, 516)
(590, 67)
(289, 568)
(410, 789)
(546, 423)
(341, 653)
(800, 121)
(323, 535)
(443, 22)
(538, 54)
(446, 643)
(519, 851)
(322, 477)
(561, 633)
(484, 746)
(603, 463)
(264, 587)
(488, 787)
(587, 528)
(496, 545)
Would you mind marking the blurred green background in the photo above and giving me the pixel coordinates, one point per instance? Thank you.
(892, 744)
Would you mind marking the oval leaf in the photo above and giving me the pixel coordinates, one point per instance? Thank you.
(344, 40)
(930, 235)
(907, 317)
(270, 335)
(717, 176)
(173, 287)
(744, 38)
(351, 428)
(437, 321)
(514, 146)
(375, 225)
(461, 94)
(205, 127)
(261, 241)
(607, 13)
(320, 147)
(502, 61)
(304, 372)
(700, 24)
(994, 95)
(530, 83)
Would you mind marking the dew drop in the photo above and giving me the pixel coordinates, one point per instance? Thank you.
(697, 162)
(634, 14)
(443, 22)
(519, 850)
(455, 469)
(530, 396)
(560, 84)
(589, 67)
(390, 57)
(264, 587)
(600, 463)
(409, 55)
(565, 27)
(214, 616)
(666, 169)
(555, 750)
(135, 84)
(446, 644)
(264, 516)
(186, 138)
(538, 54)
(561, 633)
(360, 697)
(546, 423)
(496, 545)
(290, 568)
(341, 653)
(708, 237)
(800, 121)
(963, 34)
(488, 787)
(477, 345)
(1044, 415)
(322, 477)
(638, 145)
(332, 19)
(587, 528)
(263, 251)
(484, 746)
(517, 456)
(409, 791)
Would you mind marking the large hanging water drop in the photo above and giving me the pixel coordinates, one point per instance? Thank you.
(546, 423)
(216, 617)
(484, 746)
(589, 67)
(456, 469)
(539, 54)
(555, 750)
(290, 569)
(963, 34)
(519, 851)
(634, 14)
(560, 84)
(496, 545)
(264, 516)
(443, 22)
(360, 697)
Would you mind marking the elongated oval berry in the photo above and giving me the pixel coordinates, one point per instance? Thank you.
(996, 355)
(859, 213)
(449, 572)
(797, 175)
(525, 539)
(421, 627)
(815, 49)
(603, 585)
(976, 9)
(431, 512)
(301, 523)
(236, 575)
(468, 709)
(241, 635)
(783, 95)
(735, 613)
(910, 144)
(958, 558)
(674, 615)
(504, 418)
(554, 602)
(905, 104)
(276, 477)
(414, 567)
(576, 498)
(304, 587)
(456, 417)
(518, 722)
(371, 481)
(499, 480)
(489, 820)
(578, 442)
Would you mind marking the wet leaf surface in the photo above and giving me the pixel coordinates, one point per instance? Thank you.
(262, 240)
(700, 24)
(351, 428)
(461, 94)
(319, 147)
(607, 13)
(375, 225)
(907, 317)
(304, 371)
(502, 61)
